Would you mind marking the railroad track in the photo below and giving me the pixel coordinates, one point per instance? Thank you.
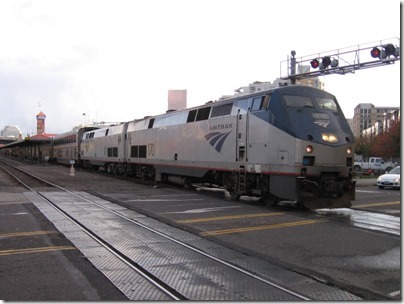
(145, 260)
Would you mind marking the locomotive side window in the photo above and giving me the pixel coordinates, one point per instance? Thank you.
(326, 103)
(113, 152)
(298, 101)
(142, 151)
(151, 122)
(203, 114)
(256, 105)
(138, 151)
(243, 104)
(134, 151)
(221, 110)
(191, 116)
(265, 102)
(260, 103)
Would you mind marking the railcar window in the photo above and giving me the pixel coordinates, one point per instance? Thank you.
(221, 110)
(326, 103)
(203, 114)
(298, 101)
(191, 116)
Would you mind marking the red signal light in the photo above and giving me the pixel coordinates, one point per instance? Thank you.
(314, 63)
(375, 52)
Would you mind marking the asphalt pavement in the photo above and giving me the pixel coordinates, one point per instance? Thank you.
(366, 182)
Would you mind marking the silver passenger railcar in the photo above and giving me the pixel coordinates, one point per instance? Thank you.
(105, 148)
(66, 146)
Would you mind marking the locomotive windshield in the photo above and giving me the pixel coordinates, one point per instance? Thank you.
(309, 113)
(298, 101)
(326, 103)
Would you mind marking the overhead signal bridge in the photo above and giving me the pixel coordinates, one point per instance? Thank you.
(341, 61)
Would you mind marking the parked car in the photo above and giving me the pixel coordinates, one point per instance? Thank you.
(374, 165)
(390, 179)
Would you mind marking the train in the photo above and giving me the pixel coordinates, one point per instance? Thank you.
(290, 143)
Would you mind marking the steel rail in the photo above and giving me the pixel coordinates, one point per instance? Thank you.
(223, 262)
(145, 274)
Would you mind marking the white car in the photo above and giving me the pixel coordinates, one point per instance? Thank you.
(390, 179)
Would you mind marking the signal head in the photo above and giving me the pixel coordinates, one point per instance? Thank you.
(397, 52)
(326, 61)
(314, 63)
(375, 52)
(389, 49)
(334, 63)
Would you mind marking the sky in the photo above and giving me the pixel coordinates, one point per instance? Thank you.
(115, 60)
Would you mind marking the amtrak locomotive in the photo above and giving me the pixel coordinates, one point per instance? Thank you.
(289, 143)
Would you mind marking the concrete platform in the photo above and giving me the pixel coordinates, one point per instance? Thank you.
(37, 262)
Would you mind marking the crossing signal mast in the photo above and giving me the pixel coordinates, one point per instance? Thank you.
(342, 61)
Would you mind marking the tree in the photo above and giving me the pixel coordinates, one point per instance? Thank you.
(362, 146)
(387, 144)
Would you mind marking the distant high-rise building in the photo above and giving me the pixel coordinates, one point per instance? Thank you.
(366, 115)
(177, 100)
(11, 131)
(40, 123)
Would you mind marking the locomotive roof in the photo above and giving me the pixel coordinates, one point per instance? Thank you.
(290, 88)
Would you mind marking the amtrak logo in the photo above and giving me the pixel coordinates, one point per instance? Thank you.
(321, 119)
(216, 139)
(322, 123)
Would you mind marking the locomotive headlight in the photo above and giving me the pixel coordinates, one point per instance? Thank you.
(349, 150)
(330, 137)
(309, 149)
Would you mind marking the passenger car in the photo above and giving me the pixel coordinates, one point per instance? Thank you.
(390, 179)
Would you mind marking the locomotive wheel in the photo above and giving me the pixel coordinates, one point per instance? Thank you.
(234, 195)
(270, 200)
(231, 186)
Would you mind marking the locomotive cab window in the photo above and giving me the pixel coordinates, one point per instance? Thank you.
(326, 103)
(260, 103)
(298, 101)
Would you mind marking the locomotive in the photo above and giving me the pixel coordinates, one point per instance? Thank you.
(288, 143)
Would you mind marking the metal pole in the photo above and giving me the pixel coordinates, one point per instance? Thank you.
(293, 67)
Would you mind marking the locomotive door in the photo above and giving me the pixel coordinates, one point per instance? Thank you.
(241, 139)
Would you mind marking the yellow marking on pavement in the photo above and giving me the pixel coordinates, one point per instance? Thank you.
(28, 233)
(264, 227)
(377, 204)
(229, 217)
(35, 250)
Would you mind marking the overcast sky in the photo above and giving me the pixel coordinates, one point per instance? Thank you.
(116, 60)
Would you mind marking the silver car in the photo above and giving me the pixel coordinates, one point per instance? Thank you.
(390, 179)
